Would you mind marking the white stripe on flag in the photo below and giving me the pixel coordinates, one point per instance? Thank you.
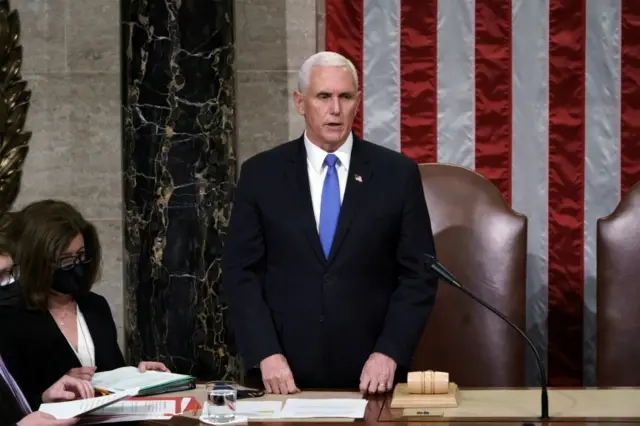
(456, 82)
(381, 72)
(530, 166)
(602, 168)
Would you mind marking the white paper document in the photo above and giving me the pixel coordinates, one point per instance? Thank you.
(298, 408)
(259, 409)
(140, 407)
(99, 420)
(137, 410)
(71, 409)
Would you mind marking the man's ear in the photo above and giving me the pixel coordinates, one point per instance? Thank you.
(298, 99)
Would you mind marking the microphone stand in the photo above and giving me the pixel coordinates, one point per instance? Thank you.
(442, 272)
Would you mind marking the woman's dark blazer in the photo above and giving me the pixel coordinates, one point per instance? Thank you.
(36, 352)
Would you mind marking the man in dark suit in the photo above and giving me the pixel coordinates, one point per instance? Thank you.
(15, 408)
(323, 265)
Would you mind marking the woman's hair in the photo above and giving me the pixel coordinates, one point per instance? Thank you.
(42, 231)
(7, 246)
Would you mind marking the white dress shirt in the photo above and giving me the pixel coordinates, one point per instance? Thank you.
(318, 170)
(86, 352)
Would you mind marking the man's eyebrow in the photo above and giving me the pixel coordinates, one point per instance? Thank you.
(326, 92)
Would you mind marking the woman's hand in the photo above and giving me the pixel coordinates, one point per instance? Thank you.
(82, 373)
(41, 419)
(67, 389)
(152, 366)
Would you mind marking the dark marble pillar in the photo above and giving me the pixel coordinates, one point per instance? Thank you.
(179, 170)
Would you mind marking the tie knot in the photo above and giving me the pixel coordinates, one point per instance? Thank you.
(330, 160)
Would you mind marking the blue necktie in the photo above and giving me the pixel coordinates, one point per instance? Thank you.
(330, 205)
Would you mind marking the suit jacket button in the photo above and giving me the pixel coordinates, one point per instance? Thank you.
(327, 278)
(321, 319)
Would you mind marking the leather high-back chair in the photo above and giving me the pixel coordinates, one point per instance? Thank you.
(484, 244)
(618, 294)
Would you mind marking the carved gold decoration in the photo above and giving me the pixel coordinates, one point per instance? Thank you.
(14, 104)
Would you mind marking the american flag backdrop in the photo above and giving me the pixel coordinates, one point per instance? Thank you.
(542, 97)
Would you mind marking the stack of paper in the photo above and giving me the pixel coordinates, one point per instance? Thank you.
(149, 382)
(141, 409)
(300, 408)
(73, 409)
(114, 409)
(259, 410)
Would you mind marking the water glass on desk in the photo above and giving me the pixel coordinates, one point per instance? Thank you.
(221, 401)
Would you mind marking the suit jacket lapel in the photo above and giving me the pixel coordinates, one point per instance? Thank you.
(61, 341)
(358, 179)
(297, 175)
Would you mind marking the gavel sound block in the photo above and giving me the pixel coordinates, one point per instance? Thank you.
(425, 389)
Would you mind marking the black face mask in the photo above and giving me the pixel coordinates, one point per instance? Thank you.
(70, 281)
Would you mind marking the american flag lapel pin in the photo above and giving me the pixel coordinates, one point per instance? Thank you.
(358, 178)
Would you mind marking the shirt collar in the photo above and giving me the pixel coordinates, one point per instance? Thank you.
(316, 155)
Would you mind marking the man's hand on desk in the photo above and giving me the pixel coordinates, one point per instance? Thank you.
(42, 419)
(277, 376)
(68, 388)
(152, 366)
(377, 374)
(82, 373)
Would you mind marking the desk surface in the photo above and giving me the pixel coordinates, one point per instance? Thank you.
(496, 406)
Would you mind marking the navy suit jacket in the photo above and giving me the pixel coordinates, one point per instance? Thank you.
(327, 316)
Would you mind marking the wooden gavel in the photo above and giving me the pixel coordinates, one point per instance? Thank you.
(428, 382)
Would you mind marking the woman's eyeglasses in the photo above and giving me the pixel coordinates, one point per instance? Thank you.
(68, 262)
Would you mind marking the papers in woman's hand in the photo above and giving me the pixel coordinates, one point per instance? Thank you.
(73, 409)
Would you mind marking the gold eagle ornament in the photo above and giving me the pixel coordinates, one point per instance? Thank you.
(14, 104)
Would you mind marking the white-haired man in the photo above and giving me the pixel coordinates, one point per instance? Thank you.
(323, 264)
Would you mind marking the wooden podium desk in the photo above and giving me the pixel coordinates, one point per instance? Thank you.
(504, 407)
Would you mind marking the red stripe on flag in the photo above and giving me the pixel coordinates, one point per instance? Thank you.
(418, 80)
(630, 96)
(566, 190)
(344, 28)
(493, 93)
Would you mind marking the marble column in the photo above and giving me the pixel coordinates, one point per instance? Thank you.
(179, 171)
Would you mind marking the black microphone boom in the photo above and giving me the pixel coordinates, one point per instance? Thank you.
(433, 264)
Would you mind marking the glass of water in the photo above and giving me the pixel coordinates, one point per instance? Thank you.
(221, 401)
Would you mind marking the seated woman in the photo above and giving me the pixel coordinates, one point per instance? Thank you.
(58, 326)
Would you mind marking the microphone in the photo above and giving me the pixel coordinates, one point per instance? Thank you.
(433, 264)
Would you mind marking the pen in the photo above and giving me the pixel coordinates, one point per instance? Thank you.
(408, 413)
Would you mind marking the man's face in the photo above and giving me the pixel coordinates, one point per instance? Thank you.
(6, 270)
(329, 106)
